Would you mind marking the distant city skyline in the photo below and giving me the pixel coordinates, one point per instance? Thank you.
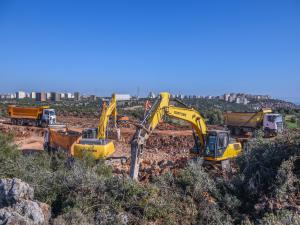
(144, 94)
(151, 94)
(196, 47)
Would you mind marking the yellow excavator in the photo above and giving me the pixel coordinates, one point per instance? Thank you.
(213, 145)
(94, 140)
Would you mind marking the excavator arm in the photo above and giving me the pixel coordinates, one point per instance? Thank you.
(159, 109)
(191, 116)
(107, 111)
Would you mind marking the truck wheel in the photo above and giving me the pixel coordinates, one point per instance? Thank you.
(13, 121)
(20, 122)
(237, 131)
(46, 148)
(255, 133)
(43, 124)
(267, 133)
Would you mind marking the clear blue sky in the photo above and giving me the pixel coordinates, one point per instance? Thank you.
(192, 47)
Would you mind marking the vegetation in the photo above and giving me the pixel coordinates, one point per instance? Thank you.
(264, 190)
(211, 109)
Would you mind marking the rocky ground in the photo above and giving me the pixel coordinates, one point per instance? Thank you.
(167, 148)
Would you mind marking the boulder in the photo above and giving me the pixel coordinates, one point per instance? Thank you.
(17, 205)
(12, 190)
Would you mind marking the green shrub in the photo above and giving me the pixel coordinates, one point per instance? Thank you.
(281, 218)
(86, 191)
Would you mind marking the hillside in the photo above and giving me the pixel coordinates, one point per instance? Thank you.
(264, 189)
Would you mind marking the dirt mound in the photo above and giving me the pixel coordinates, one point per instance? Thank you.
(170, 143)
(22, 131)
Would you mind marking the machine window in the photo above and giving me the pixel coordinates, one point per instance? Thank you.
(223, 141)
(271, 119)
(211, 145)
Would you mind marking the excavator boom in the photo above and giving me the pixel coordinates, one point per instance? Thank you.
(214, 145)
(160, 109)
(191, 116)
(107, 111)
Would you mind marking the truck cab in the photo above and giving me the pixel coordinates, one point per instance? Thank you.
(273, 123)
(49, 116)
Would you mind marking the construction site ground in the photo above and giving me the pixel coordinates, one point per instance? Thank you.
(167, 148)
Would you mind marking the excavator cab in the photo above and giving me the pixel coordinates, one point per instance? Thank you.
(219, 146)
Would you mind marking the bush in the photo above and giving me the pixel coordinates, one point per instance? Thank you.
(263, 190)
(267, 175)
(281, 218)
(293, 119)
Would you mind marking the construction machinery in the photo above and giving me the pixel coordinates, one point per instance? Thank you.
(213, 145)
(60, 137)
(37, 116)
(240, 123)
(94, 140)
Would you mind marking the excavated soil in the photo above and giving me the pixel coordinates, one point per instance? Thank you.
(167, 148)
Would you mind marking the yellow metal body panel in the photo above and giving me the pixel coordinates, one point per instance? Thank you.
(25, 112)
(245, 119)
(232, 151)
(97, 151)
(159, 112)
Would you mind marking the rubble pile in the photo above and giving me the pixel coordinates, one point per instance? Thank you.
(17, 205)
(171, 143)
(150, 169)
(21, 131)
(79, 122)
(168, 126)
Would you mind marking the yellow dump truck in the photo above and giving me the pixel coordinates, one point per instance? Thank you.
(37, 116)
(60, 137)
(243, 122)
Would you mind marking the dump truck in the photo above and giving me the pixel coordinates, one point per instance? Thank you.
(240, 123)
(60, 137)
(37, 116)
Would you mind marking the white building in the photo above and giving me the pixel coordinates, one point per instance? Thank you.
(20, 94)
(226, 97)
(48, 95)
(231, 99)
(69, 95)
(123, 97)
(245, 102)
(180, 96)
(151, 95)
(33, 95)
